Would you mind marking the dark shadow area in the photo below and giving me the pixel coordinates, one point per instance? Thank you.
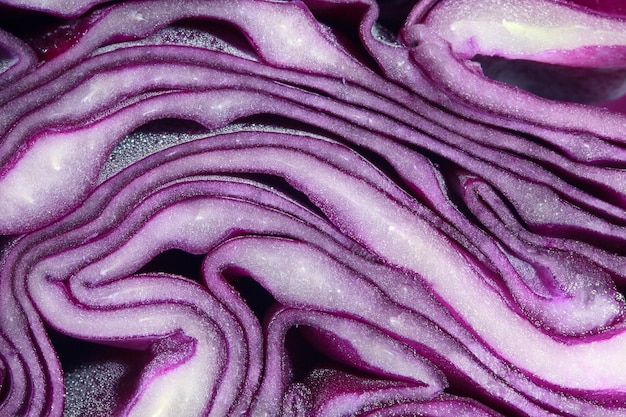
(302, 355)
(393, 13)
(603, 87)
(343, 21)
(214, 35)
(98, 379)
(176, 262)
(257, 298)
(48, 35)
(281, 186)
(150, 138)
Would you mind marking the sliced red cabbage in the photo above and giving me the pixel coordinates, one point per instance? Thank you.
(307, 208)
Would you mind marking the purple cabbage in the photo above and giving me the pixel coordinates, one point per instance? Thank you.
(312, 208)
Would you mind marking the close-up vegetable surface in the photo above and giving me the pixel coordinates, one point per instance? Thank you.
(312, 208)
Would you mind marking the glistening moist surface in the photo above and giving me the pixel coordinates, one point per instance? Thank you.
(312, 208)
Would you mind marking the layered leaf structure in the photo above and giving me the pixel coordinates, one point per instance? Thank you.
(312, 208)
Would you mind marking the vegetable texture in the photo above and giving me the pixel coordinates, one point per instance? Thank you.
(312, 208)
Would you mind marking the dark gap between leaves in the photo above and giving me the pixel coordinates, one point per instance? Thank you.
(98, 379)
(602, 87)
